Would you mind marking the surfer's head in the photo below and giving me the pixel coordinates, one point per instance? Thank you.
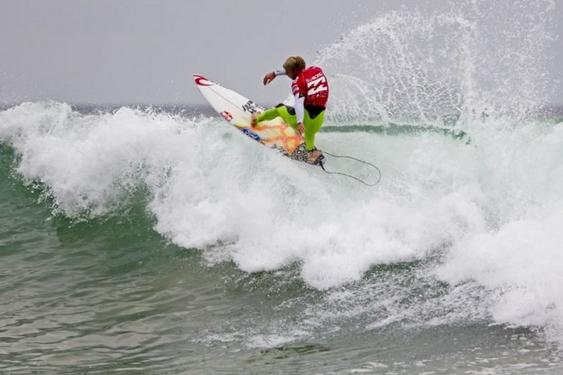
(293, 65)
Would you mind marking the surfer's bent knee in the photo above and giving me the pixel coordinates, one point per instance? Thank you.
(287, 113)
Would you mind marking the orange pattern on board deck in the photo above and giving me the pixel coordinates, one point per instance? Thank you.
(289, 142)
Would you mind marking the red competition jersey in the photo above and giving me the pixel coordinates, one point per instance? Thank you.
(313, 85)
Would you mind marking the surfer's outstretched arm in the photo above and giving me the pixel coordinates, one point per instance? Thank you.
(269, 77)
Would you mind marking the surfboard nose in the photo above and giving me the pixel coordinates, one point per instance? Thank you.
(202, 81)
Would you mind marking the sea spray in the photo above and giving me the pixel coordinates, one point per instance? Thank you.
(477, 61)
(482, 217)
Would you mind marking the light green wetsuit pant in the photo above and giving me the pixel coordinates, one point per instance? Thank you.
(312, 125)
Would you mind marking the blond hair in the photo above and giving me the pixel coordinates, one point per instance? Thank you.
(294, 63)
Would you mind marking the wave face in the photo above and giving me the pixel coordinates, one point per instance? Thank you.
(487, 212)
(476, 224)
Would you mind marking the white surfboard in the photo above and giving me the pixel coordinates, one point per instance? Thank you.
(237, 110)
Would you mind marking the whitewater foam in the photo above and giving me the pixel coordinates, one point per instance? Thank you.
(483, 216)
(492, 207)
(211, 187)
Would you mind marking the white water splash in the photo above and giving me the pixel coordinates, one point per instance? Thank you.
(491, 207)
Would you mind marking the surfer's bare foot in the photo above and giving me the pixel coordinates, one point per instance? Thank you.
(313, 156)
(254, 119)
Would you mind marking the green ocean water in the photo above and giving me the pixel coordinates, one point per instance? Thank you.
(112, 295)
(139, 239)
(115, 293)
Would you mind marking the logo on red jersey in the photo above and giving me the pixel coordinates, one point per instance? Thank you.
(313, 85)
(317, 85)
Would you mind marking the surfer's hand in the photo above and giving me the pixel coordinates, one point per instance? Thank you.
(300, 128)
(269, 77)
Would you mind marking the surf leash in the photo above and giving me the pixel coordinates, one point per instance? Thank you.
(349, 175)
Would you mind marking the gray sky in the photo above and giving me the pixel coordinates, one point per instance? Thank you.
(139, 51)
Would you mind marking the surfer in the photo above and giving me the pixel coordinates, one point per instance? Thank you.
(310, 89)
